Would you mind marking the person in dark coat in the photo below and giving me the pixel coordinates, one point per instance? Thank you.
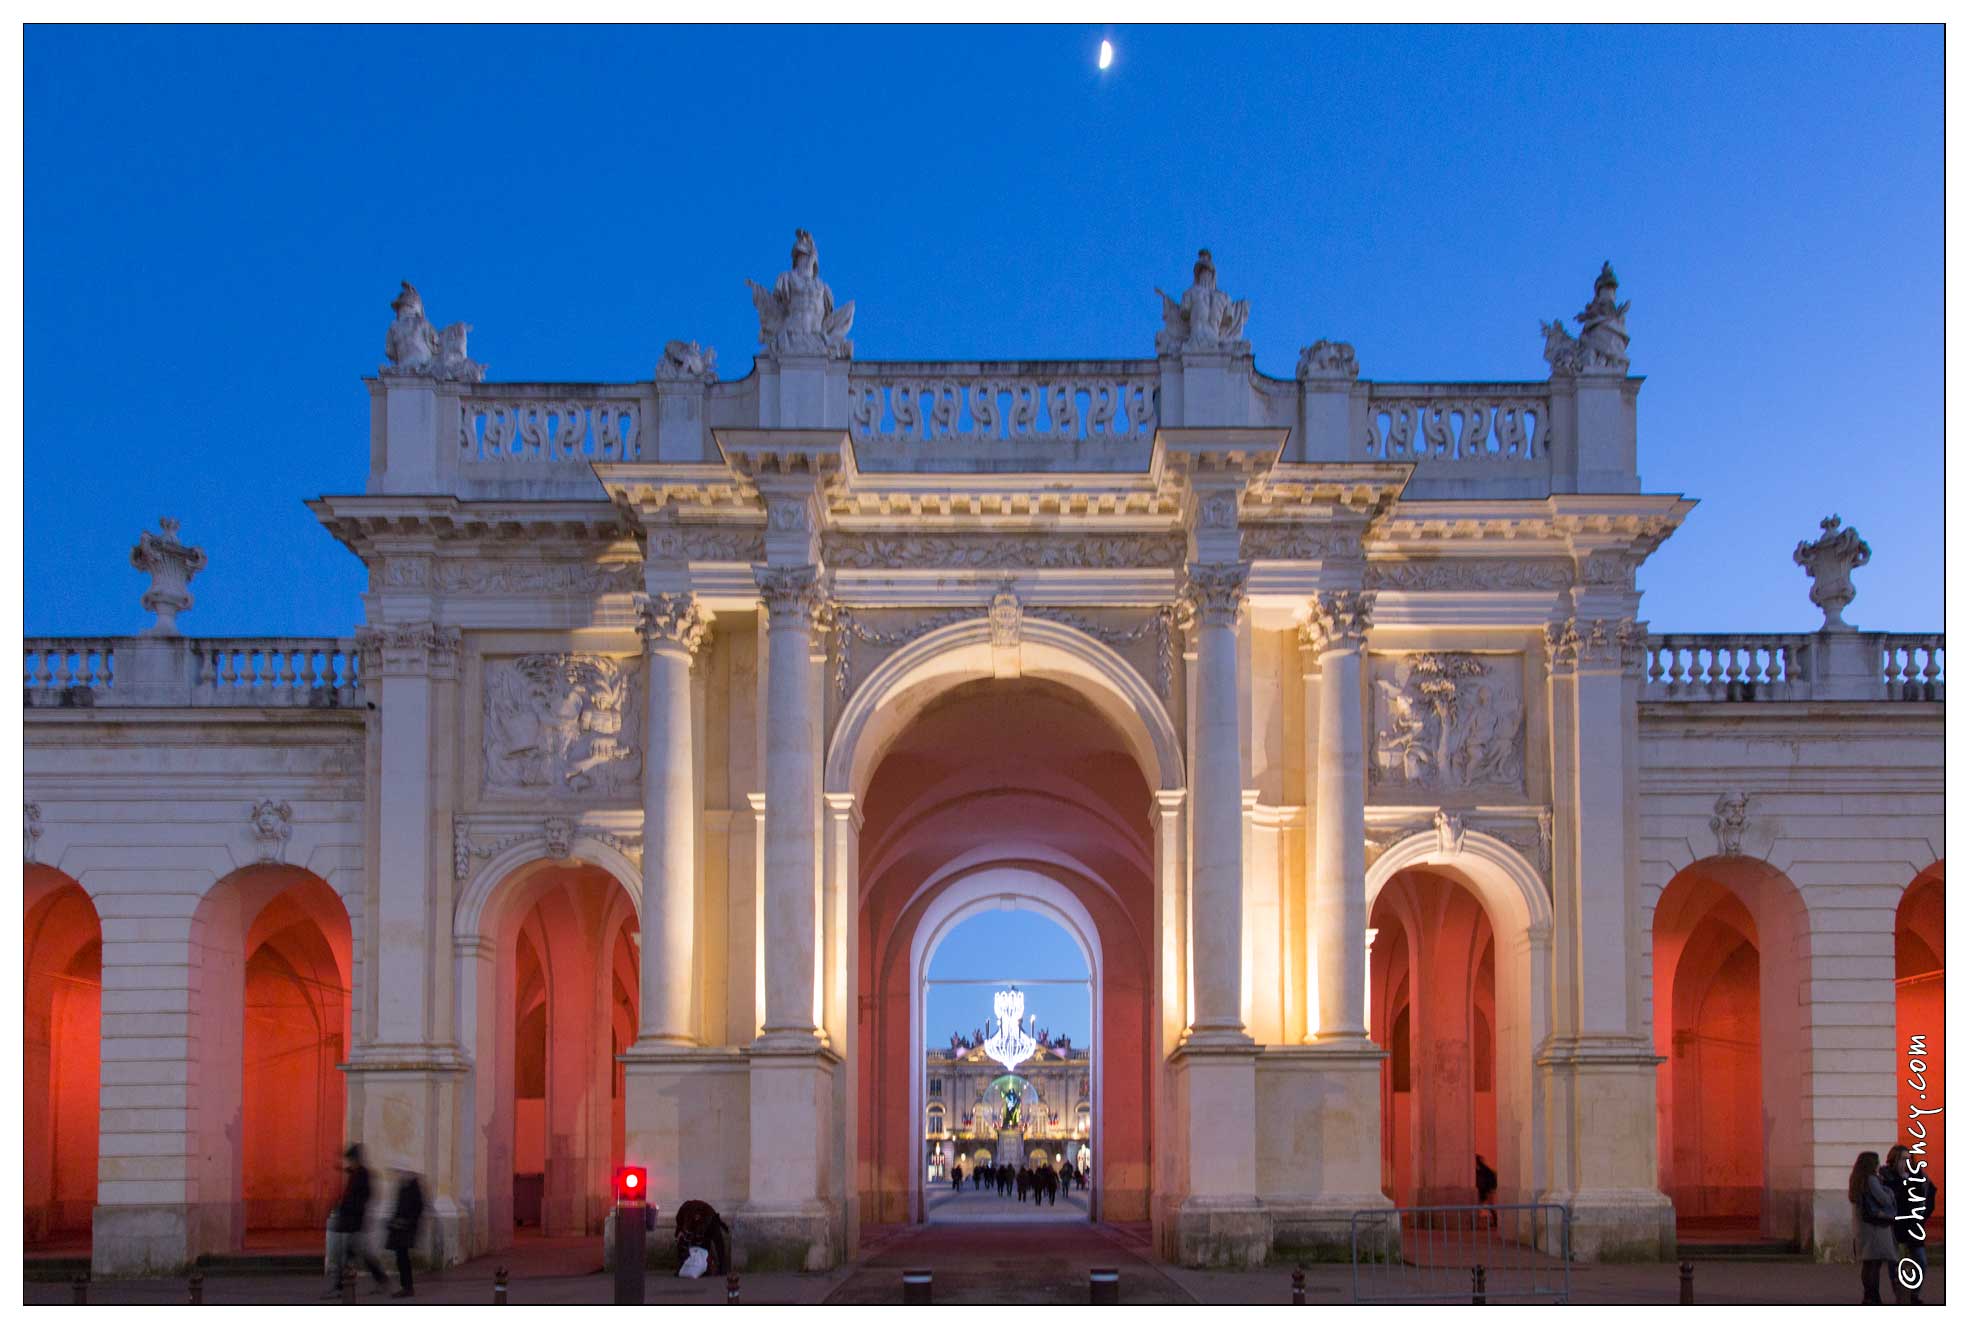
(698, 1224)
(1487, 1188)
(1913, 1193)
(346, 1238)
(1873, 1223)
(402, 1234)
(1025, 1183)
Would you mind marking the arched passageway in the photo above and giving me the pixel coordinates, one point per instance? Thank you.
(270, 1011)
(557, 1000)
(1918, 1032)
(1729, 961)
(1434, 1008)
(1005, 789)
(63, 955)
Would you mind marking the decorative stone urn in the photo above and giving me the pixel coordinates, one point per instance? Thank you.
(1830, 560)
(171, 566)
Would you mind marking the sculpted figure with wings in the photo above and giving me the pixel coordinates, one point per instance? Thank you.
(1205, 319)
(798, 315)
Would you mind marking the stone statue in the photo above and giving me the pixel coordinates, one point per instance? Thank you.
(413, 346)
(1603, 324)
(1010, 1121)
(171, 566)
(1830, 560)
(1601, 346)
(687, 362)
(1328, 360)
(1205, 319)
(798, 316)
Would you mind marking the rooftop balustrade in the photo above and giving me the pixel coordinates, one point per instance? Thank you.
(1824, 666)
(192, 671)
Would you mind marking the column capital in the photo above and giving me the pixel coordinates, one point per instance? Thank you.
(1599, 645)
(671, 620)
(409, 650)
(1213, 593)
(1339, 620)
(793, 596)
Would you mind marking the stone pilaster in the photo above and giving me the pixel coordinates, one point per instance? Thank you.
(1597, 1067)
(1336, 631)
(672, 628)
(1215, 598)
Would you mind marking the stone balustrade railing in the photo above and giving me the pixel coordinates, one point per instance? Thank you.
(192, 671)
(1112, 401)
(1485, 425)
(527, 424)
(275, 671)
(57, 664)
(1851, 666)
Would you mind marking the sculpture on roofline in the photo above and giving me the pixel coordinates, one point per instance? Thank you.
(413, 346)
(686, 361)
(1830, 560)
(798, 315)
(1601, 346)
(1205, 319)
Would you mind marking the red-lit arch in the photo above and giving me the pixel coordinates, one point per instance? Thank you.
(63, 956)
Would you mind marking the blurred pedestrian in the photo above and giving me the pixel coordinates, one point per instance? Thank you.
(1873, 1223)
(402, 1234)
(346, 1238)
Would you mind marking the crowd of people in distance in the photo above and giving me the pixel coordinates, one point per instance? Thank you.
(1041, 1184)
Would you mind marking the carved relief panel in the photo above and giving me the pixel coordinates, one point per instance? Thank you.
(1447, 722)
(562, 726)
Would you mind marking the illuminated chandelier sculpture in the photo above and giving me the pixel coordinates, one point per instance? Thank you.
(1009, 1044)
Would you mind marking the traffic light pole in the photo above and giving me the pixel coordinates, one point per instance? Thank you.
(631, 1241)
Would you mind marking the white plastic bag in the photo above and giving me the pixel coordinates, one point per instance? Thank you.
(695, 1263)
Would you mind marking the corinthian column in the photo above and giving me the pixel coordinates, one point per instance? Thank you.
(672, 629)
(1336, 630)
(1216, 597)
(792, 598)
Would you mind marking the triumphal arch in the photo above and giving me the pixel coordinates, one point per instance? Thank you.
(683, 713)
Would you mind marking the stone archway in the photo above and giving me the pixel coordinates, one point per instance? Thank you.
(1518, 917)
(62, 954)
(1731, 951)
(1131, 888)
(547, 988)
(975, 891)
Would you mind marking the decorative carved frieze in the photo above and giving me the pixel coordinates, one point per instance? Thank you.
(1528, 830)
(273, 827)
(31, 829)
(557, 837)
(670, 619)
(1286, 541)
(991, 550)
(1732, 811)
(1470, 574)
(1213, 593)
(1576, 643)
(1339, 620)
(1607, 569)
(409, 649)
(555, 725)
(705, 544)
(1447, 720)
(1004, 615)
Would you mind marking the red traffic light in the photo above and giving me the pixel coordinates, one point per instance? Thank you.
(631, 1184)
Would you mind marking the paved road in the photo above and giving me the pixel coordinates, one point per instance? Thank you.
(1007, 1264)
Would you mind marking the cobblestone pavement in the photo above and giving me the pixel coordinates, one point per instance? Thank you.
(978, 1263)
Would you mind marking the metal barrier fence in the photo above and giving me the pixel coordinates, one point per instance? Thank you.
(1479, 1253)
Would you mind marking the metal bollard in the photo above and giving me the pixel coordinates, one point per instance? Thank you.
(1477, 1285)
(916, 1287)
(80, 1290)
(731, 1289)
(499, 1286)
(631, 1248)
(1688, 1283)
(1298, 1287)
(195, 1289)
(1103, 1287)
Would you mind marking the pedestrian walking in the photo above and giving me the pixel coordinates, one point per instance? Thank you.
(1873, 1223)
(1025, 1181)
(346, 1239)
(1487, 1188)
(1912, 1191)
(401, 1237)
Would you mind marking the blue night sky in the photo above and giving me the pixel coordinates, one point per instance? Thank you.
(217, 220)
(1002, 944)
